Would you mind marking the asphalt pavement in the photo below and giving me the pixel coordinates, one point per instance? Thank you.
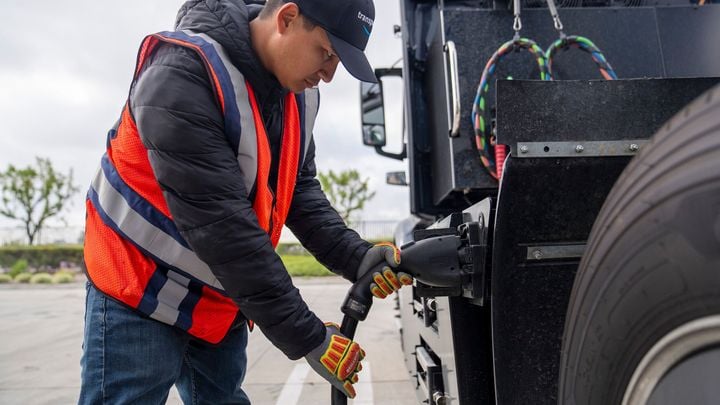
(41, 337)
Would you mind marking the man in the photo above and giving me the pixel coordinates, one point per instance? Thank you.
(213, 153)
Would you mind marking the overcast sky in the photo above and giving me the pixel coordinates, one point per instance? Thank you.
(65, 68)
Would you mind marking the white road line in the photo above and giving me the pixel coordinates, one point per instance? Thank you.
(294, 385)
(363, 388)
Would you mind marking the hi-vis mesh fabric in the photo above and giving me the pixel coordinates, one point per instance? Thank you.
(126, 270)
(130, 159)
(272, 218)
(133, 250)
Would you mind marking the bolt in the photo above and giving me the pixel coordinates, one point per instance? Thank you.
(537, 254)
(524, 149)
(634, 147)
(579, 148)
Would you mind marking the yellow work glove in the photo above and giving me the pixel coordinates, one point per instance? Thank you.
(386, 281)
(337, 360)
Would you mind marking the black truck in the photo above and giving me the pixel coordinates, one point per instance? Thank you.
(570, 153)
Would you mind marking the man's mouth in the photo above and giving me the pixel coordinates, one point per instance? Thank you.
(311, 83)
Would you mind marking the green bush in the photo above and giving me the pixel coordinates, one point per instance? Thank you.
(63, 277)
(5, 278)
(41, 278)
(20, 266)
(23, 278)
(48, 256)
(304, 266)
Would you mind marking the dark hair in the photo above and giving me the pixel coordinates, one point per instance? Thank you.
(272, 5)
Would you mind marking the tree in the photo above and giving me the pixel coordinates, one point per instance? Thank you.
(346, 191)
(34, 194)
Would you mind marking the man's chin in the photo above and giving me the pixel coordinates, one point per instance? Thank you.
(298, 88)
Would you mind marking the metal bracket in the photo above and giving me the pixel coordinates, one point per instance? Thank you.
(627, 147)
(429, 377)
(535, 253)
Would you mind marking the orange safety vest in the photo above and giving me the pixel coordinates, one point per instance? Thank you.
(133, 249)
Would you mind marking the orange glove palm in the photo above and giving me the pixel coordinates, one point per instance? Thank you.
(337, 360)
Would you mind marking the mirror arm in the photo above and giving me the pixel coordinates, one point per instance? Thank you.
(380, 72)
(397, 156)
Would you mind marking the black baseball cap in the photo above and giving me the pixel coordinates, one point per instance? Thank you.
(348, 24)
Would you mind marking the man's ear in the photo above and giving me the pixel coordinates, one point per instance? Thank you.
(285, 16)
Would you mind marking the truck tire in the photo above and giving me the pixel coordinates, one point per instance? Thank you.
(643, 323)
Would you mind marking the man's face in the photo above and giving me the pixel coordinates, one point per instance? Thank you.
(305, 57)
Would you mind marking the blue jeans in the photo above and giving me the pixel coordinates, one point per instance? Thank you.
(131, 359)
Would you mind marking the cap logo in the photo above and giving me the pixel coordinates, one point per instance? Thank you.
(362, 17)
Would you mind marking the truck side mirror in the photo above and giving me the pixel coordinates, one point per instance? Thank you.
(373, 114)
(372, 110)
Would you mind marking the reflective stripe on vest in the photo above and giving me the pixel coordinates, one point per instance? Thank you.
(156, 238)
(136, 254)
(309, 102)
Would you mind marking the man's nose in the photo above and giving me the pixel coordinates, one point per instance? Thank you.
(327, 72)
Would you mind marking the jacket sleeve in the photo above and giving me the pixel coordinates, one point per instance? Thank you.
(181, 125)
(320, 228)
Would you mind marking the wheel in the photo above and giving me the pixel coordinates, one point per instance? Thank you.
(643, 323)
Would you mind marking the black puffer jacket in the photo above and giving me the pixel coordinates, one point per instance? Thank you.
(181, 124)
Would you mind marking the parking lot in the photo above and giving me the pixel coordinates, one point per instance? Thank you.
(41, 338)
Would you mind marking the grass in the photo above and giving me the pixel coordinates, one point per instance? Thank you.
(304, 266)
